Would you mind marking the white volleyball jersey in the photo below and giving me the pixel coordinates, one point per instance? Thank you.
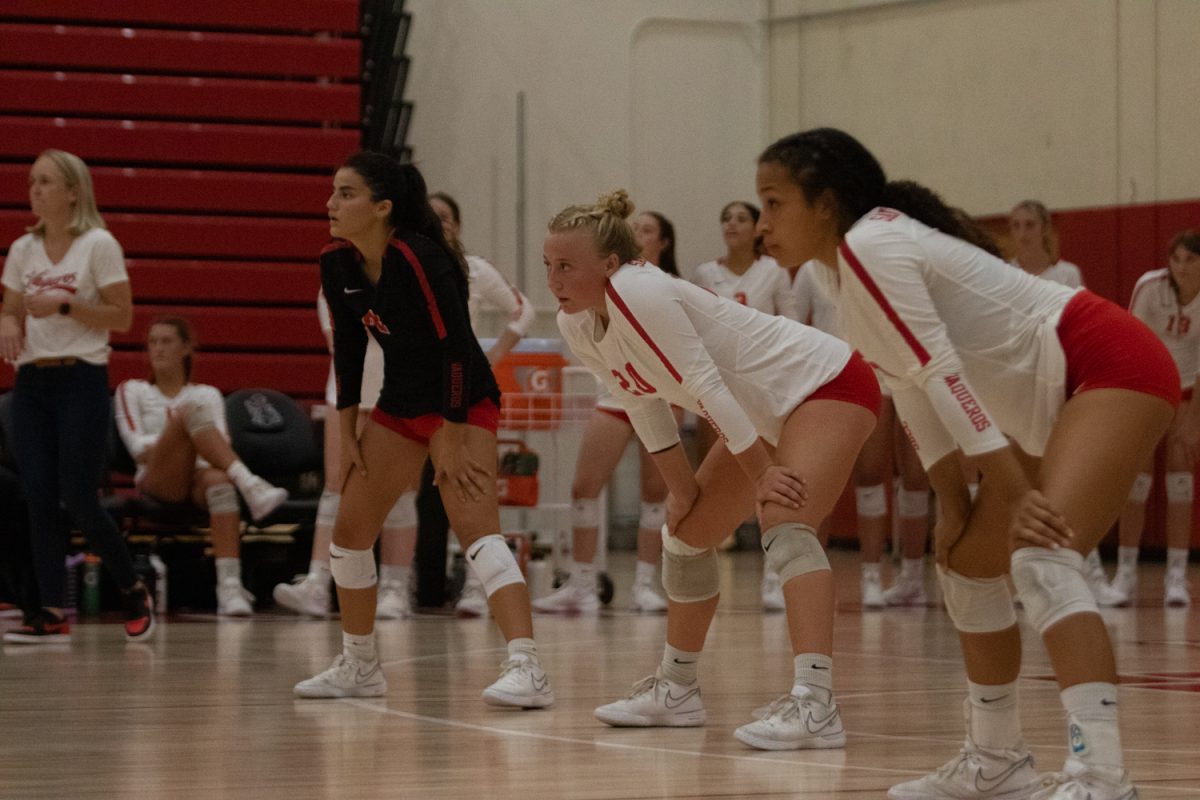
(141, 412)
(1063, 272)
(967, 343)
(372, 382)
(1155, 303)
(765, 286)
(93, 262)
(489, 289)
(814, 305)
(671, 342)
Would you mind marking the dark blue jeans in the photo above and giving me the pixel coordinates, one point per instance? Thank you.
(62, 417)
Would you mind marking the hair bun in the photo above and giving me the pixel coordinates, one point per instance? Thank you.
(617, 203)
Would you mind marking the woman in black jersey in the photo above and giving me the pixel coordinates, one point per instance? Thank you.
(388, 273)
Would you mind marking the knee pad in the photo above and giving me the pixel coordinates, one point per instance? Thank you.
(912, 503)
(791, 549)
(871, 501)
(653, 517)
(403, 514)
(1181, 487)
(221, 499)
(1140, 492)
(327, 508)
(977, 605)
(689, 574)
(352, 569)
(199, 417)
(493, 563)
(1051, 585)
(585, 512)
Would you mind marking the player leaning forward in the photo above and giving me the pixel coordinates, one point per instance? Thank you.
(793, 407)
(974, 351)
(390, 274)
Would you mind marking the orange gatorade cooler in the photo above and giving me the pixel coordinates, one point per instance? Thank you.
(530, 379)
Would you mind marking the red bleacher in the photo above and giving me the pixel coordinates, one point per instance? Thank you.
(212, 130)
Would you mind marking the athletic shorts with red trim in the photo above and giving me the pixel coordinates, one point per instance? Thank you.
(616, 413)
(856, 384)
(483, 414)
(1109, 348)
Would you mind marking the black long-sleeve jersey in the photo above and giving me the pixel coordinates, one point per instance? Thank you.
(417, 312)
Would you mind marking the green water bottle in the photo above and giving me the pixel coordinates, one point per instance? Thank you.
(91, 585)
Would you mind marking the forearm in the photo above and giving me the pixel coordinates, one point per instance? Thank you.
(348, 423)
(947, 481)
(1002, 471)
(754, 460)
(507, 341)
(102, 316)
(676, 471)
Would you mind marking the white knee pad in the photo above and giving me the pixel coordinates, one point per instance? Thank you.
(327, 508)
(493, 563)
(352, 569)
(1140, 492)
(689, 574)
(912, 503)
(653, 517)
(199, 417)
(403, 513)
(791, 549)
(977, 605)
(221, 499)
(585, 512)
(1051, 585)
(1181, 487)
(871, 501)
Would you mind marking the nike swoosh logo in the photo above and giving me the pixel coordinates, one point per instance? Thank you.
(331, 555)
(985, 784)
(821, 724)
(352, 291)
(1108, 702)
(476, 553)
(992, 699)
(672, 702)
(677, 661)
(815, 666)
(361, 676)
(539, 685)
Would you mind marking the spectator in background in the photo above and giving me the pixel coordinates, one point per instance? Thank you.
(309, 593)
(175, 430)
(1036, 250)
(65, 288)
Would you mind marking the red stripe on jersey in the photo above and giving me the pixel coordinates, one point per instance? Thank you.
(336, 244)
(430, 300)
(875, 292)
(125, 407)
(637, 326)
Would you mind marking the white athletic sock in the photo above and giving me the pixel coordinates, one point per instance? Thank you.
(1177, 558)
(1127, 558)
(995, 720)
(229, 568)
(319, 570)
(814, 671)
(869, 568)
(241, 476)
(1092, 733)
(583, 574)
(643, 573)
(523, 648)
(912, 568)
(679, 666)
(394, 573)
(359, 648)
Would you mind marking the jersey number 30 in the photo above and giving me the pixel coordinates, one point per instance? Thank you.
(640, 385)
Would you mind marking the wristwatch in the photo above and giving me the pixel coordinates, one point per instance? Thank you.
(64, 309)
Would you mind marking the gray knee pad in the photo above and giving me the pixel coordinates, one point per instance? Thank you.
(1051, 585)
(689, 574)
(200, 417)
(221, 499)
(352, 569)
(792, 549)
(977, 605)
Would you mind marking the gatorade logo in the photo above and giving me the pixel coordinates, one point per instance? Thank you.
(539, 381)
(1078, 745)
(967, 401)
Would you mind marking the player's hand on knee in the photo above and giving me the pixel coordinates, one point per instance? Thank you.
(1037, 522)
(780, 485)
(678, 507)
(946, 533)
(352, 458)
(460, 472)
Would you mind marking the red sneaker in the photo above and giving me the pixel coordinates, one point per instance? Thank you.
(139, 614)
(41, 628)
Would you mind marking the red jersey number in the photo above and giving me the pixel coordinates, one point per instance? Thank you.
(372, 320)
(740, 297)
(639, 384)
(1179, 325)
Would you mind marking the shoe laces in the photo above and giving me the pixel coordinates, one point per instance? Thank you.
(646, 684)
(784, 708)
(959, 762)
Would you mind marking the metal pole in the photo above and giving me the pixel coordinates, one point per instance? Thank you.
(520, 204)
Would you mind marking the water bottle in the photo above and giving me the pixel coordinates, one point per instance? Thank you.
(91, 584)
(73, 577)
(160, 583)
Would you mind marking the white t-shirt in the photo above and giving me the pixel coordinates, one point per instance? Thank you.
(94, 261)
(141, 411)
(1063, 272)
(1154, 302)
(489, 289)
(372, 382)
(967, 343)
(765, 286)
(671, 342)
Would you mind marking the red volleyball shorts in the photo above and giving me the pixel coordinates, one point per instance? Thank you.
(615, 413)
(483, 414)
(856, 383)
(1109, 348)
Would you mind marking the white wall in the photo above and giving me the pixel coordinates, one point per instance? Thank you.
(662, 97)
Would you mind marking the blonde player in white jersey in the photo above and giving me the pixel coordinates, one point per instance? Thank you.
(792, 406)
(1168, 300)
(309, 593)
(1033, 239)
(605, 437)
(487, 290)
(175, 430)
(750, 277)
(975, 350)
(885, 453)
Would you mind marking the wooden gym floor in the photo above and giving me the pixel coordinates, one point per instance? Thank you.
(206, 710)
